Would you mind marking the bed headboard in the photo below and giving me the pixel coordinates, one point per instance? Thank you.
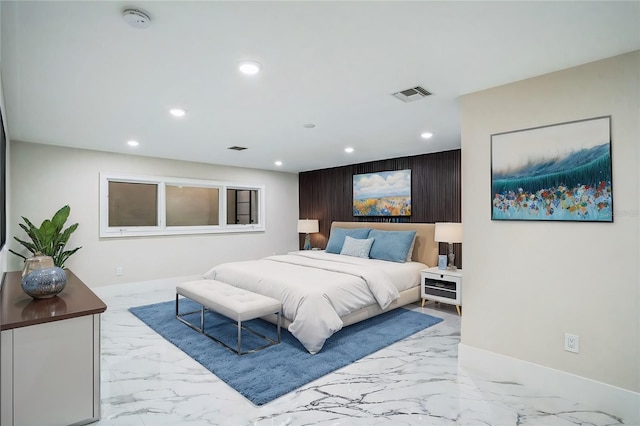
(425, 249)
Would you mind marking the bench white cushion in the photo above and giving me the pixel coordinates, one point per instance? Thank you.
(232, 302)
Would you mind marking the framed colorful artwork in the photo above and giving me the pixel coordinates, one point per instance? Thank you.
(382, 194)
(559, 172)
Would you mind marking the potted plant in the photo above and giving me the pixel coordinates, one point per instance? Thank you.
(49, 239)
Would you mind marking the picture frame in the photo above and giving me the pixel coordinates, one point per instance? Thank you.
(382, 193)
(557, 172)
(442, 261)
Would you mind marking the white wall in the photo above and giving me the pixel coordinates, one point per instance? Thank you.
(527, 283)
(45, 178)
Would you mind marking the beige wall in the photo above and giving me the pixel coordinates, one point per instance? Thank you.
(44, 178)
(527, 283)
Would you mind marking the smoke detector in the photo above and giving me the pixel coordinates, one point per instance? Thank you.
(412, 94)
(137, 18)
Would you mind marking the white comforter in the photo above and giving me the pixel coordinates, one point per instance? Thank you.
(317, 288)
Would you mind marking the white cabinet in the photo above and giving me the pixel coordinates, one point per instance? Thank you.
(50, 355)
(442, 285)
(6, 374)
(53, 367)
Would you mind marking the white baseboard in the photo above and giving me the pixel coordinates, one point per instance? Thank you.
(619, 402)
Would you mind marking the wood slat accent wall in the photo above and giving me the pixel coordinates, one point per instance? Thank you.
(436, 193)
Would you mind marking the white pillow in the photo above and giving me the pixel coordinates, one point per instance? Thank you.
(410, 252)
(356, 247)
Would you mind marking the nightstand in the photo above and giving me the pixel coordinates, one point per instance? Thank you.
(441, 285)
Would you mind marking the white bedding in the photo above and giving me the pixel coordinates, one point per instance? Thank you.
(317, 288)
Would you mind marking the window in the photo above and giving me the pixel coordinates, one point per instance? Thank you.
(192, 206)
(149, 205)
(242, 206)
(133, 204)
(3, 185)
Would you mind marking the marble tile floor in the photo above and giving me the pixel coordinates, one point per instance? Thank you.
(148, 381)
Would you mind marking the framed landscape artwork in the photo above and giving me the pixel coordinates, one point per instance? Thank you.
(560, 172)
(382, 194)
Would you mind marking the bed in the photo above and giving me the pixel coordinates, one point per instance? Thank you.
(323, 290)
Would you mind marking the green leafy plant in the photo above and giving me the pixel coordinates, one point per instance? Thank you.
(49, 239)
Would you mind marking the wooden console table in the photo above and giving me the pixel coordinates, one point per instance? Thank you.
(49, 355)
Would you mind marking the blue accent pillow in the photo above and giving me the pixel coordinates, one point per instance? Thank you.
(336, 239)
(391, 245)
(356, 247)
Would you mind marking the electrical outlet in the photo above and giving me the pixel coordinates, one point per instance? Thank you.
(571, 343)
(119, 270)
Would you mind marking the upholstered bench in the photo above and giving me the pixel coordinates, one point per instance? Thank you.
(232, 302)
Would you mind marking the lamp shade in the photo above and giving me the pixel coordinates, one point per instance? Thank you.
(448, 232)
(308, 226)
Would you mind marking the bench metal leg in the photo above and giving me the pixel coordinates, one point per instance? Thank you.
(180, 316)
(202, 319)
(201, 330)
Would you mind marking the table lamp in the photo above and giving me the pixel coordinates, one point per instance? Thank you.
(448, 232)
(307, 226)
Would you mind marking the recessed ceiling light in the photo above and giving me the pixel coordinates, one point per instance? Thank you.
(278, 163)
(426, 135)
(133, 143)
(249, 67)
(177, 112)
(348, 150)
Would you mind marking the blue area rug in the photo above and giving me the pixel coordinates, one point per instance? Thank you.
(277, 370)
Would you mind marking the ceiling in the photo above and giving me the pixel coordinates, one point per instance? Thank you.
(75, 74)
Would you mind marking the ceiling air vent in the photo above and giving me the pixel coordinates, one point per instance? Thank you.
(413, 94)
(237, 148)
